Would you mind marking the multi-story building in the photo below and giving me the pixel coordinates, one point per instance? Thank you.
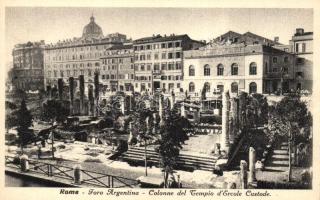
(302, 46)
(117, 72)
(158, 61)
(238, 66)
(27, 71)
(79, 56)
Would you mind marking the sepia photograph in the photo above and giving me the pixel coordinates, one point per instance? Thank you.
(158, 97)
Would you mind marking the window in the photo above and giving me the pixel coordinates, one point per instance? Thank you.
(178, 66)
(61, 73)
(163, 55)
(191, 87)
(266, 69)
(220, 88)
(156, 67)
(286, 59)
(285, 70)
(170, 45)
(206, 87)
(234, 69)
(300, 61)
(170, 66)
(163, 45)
(142, 68)
(156, 56)
(177, 44)
(178, 55)
(252, 88)
(191, 70)
(142, 57)
(234, 87)
(148, 47)
(68, 73)
(206, 70)
(274, 59)
(148, 56)
(170, 55)
(220, 70)
(253, 68)
(303, 47)
(163, 66)
(148, 67)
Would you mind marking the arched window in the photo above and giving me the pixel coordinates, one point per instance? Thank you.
(220, 70)
(252, 87)
(191, 70)
(253, 68)
(206, 87)
(206, 70)
(191, 87)
(234, 87)
(234, 69)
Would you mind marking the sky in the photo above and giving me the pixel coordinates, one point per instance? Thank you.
(23, 24)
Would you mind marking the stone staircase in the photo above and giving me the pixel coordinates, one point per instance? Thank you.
(279, 160)
(136, 156)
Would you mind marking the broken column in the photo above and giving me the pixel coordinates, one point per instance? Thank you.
(225, 122)
(252, 161)
(243, 175)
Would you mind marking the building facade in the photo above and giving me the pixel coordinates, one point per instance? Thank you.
(27, 71)
(302, 46)
(255, 68)
(158, 62)
(117, 72)
(79, 56)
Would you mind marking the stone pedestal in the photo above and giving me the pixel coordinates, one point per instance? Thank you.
(243, 174)
(77, 174)
(24, 163)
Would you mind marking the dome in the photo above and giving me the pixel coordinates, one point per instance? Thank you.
(92, 30)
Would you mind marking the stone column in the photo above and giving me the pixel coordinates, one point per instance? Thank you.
(243, 174)
(130, 133)
(154, 122)
(225, 122)
(122, 104)
(252, 161)
(81, 88)
(183, 111)
(160, 108)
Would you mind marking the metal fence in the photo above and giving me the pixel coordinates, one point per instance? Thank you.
(88, 178)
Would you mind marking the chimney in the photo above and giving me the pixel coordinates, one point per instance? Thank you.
(299, 31)
(276, 39)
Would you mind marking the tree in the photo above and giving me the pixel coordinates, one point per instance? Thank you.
(24, 121)
(172, 132)
(142, 127)
(54, 111)
(286, 119)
